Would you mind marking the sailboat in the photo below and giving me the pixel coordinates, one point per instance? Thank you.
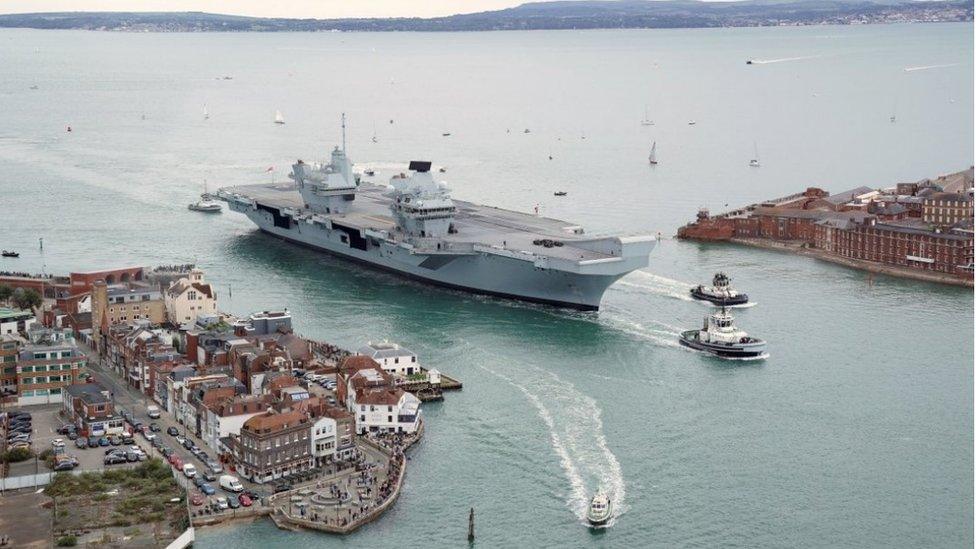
(646, 121)
(206, 203)
(755, 159)
(652, 157)
(278, 118)
(206, 115)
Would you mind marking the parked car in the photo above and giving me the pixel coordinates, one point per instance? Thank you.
(209, 476)
(221, 503)
(234, 503)
(189, 470)
(81, 443)
(199, 481)
(214, 467)
(177, 462)
(66, 465)
(150, 436)
(154, 427)
(172, 459)
(131, 457)
(245, 500)
(180, 439)
(111, 451)
(127, 439)
(18, 444)
(63, 430)
(72, 435)
(282, 488)
(92, 441)
(17, 436)
(57, 443)
(172, 431)
(113, 459)
(103, 441)
(197, 499)
(153, 411)
(115, 440)
(17, 413)
(208, 489)
(166, 451)
(231, 483)
(188, 444)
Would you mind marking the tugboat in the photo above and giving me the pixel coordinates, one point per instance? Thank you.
(721, 292)
(720, 337)
(559, 193)
(206, 203)
(600, 510)
(369, 173)
(6, 253)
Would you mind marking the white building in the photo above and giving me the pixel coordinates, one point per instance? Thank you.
(15, 321)
(393, 358)
(323, 440)
(226, 418)
(189, 297)
(385, 410)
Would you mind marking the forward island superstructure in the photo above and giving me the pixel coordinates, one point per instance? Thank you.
(414, 228)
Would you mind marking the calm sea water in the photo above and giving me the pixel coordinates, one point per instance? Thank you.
(857, 431)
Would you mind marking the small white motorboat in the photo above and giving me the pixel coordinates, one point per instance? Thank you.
(600, 511)
(205, 206)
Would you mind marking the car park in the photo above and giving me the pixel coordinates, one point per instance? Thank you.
(172, 431)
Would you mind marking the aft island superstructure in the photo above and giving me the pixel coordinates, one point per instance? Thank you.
(414, 228)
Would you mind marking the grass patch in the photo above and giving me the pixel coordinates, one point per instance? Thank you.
(67, 541)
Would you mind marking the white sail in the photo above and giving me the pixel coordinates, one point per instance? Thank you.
(646, 121)
(652, 157)
(755, 158)
(278, 118)
(206, 114)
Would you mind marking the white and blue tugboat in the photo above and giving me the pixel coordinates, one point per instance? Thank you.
(720, 293)
(720, 337)
(600, 511)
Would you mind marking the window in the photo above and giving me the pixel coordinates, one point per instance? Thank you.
(27, 393)
(27, 369)
(56, 391)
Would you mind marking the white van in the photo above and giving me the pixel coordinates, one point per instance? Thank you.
(230, 483)
(152, 411)
(189, 470)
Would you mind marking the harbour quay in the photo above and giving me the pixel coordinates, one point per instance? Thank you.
(252, 418)
(921, 230)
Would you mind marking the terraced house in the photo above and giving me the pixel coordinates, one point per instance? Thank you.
(48, 363)
(272, 445)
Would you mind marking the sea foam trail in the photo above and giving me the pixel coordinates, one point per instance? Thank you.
(783, 60)
(656, 284)
(928, 67)
(575, 425)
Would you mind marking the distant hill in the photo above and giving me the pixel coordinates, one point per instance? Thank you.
(594, 14)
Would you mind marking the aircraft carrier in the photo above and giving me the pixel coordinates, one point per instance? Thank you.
(412, 227)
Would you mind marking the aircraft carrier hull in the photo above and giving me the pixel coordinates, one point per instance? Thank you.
(487, 274)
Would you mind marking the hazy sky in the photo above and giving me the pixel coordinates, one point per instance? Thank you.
(322, 9)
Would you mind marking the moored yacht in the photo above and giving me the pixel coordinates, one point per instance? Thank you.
(600, 510)
(719, 336)
(720, 293)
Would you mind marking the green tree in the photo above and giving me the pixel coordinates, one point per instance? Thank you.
(26, 299)
(5, 292)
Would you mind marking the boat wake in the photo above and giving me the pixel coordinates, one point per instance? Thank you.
(784, 59)
(575, 433)
(929, 67)
(748, 305)
(656, 284)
